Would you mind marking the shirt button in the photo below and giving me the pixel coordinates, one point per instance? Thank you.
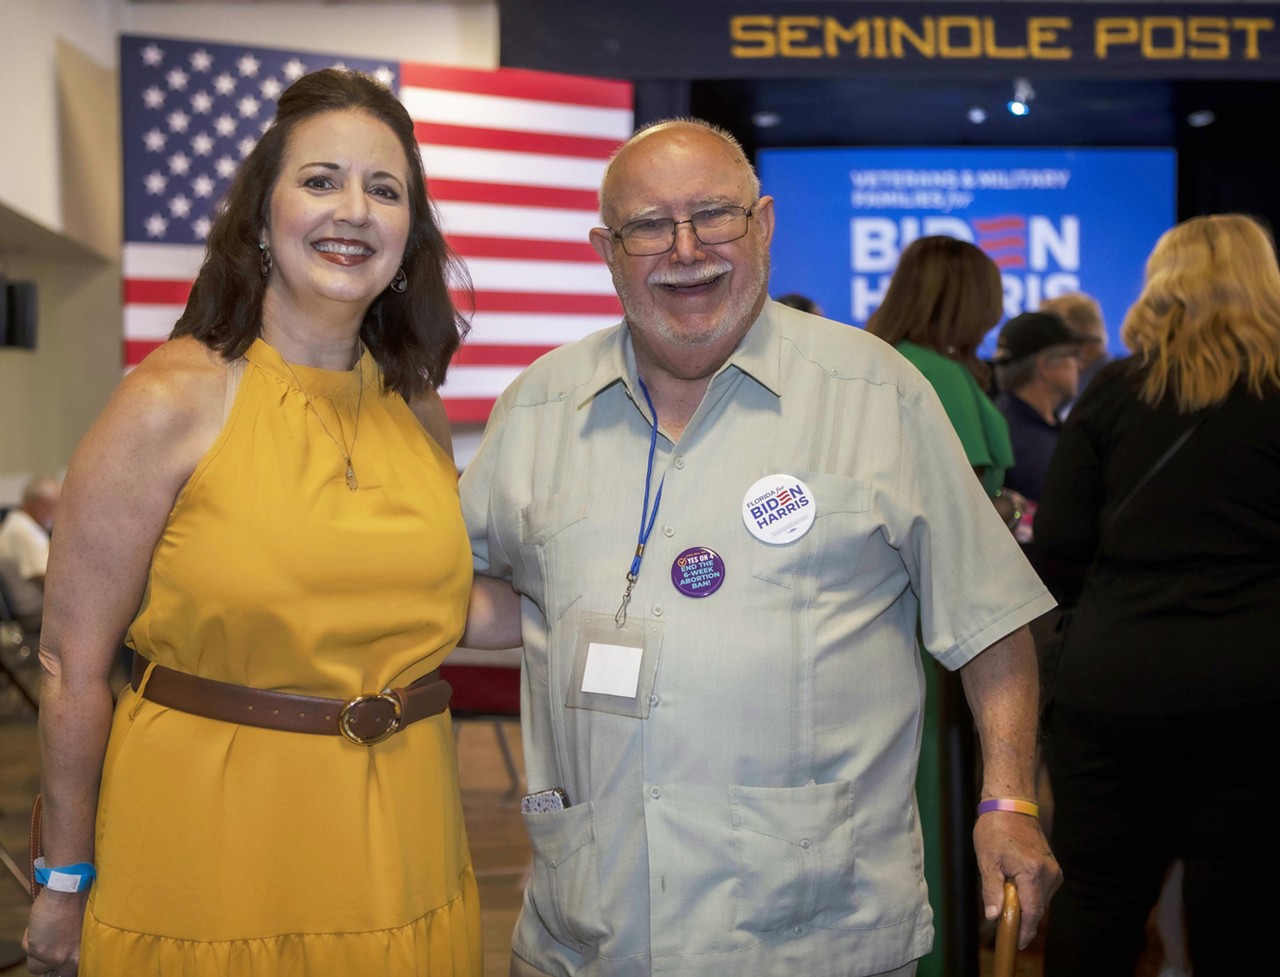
(654, 700)
(561, 395)
(657, 610)
(680, 462)
(798, 930)
(804, 843)
(655, 792)
(668, 531)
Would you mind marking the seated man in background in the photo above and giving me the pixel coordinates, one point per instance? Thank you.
(24, 549)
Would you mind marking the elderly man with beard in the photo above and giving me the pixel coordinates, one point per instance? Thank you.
(725, 519)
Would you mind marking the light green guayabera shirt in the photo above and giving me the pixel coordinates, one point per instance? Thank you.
(759, 818)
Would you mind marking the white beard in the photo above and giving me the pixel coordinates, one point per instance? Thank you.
(644, 316)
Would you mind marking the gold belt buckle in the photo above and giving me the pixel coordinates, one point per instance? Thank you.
(348, 718)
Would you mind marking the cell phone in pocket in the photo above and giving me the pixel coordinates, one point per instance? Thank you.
(542, 801)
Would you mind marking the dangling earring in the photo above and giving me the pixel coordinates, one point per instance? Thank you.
(264, 259)
(400, 282)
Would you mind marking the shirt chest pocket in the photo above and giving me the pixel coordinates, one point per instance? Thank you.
(549, 530)
(829, 552)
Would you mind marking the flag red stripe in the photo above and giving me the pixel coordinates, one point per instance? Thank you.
(511, 141)
(520, 83)
(994, 225)
(1010, 261)
(135, 350)
(509, 247)
(468, 191)
(153, 291)
(467, 410)
(552, 302)
(477, 354)
(1000, 243)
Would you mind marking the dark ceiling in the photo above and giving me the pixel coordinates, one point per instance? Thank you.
(898, 111)
(1231, 164)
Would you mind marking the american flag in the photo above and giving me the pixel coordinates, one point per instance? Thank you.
(513, 159)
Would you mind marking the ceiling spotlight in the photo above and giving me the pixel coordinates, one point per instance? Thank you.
(766, 119)
(977, 114)
(1201, 118)
(1023, 94)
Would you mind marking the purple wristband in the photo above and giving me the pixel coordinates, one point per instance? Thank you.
(1009, 804)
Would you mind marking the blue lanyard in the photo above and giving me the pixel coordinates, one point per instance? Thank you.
(647, 518)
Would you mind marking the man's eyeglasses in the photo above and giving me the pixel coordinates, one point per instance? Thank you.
(657, 235)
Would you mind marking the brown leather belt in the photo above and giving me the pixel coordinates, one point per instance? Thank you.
(366, 719)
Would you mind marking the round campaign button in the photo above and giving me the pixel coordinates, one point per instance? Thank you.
(698, 572)
(778, 509)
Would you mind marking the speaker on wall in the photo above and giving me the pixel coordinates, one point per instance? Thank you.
(18, 315)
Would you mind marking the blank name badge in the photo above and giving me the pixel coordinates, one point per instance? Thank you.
(613, 667)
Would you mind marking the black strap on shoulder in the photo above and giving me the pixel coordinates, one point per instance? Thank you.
(1160, 463)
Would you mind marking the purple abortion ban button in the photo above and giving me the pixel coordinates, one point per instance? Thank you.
(698, 572)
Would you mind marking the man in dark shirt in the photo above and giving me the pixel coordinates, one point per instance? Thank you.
(1037, 370)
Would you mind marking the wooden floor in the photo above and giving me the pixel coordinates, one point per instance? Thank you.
(498, 843)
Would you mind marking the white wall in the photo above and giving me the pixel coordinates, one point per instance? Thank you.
(462, 33)
(29, 33)
(55, 213)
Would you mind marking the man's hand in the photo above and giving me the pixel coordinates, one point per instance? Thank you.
(1012, 846)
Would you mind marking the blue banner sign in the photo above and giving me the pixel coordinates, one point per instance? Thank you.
(1053, 220)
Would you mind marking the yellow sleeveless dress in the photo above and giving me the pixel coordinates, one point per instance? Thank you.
(230, 850)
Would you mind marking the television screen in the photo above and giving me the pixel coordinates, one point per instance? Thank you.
(1053, 220)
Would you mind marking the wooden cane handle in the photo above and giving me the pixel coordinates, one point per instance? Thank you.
(1007, 932)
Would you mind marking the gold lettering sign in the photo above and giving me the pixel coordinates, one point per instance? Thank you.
(961, 37)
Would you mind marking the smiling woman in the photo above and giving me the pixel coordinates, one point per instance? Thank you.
(337, 228)
(288, 757)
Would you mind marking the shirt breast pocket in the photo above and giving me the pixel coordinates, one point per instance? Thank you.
(829, 552)
(548, 530)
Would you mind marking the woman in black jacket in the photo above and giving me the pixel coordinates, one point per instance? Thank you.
(1166, 481)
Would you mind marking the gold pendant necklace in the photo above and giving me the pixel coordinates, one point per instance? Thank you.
(346, 453)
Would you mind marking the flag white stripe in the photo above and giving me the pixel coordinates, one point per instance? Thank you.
(163, 262)
(523, 223)
(150, 322)
(503, 166)
(478, 381)
(523, 275)
(533, 329)
(518, 114)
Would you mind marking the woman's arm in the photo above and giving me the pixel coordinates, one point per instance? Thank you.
(119, 490)
(429, 409)
(1067, 518)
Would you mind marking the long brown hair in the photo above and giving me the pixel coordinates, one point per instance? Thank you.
(412, 335)
(945, 294)
(1209, 313)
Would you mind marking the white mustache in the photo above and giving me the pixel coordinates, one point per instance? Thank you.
(706, 272)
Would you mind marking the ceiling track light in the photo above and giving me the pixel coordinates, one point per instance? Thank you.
(1023, 95)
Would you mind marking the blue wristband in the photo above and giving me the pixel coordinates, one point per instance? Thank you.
(66, 878)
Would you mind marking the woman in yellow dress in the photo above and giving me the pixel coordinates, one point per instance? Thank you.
(267, 514)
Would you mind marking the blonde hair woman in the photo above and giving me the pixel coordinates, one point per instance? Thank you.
(1167, 481)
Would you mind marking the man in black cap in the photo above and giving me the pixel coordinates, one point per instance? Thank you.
(1037, 370)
